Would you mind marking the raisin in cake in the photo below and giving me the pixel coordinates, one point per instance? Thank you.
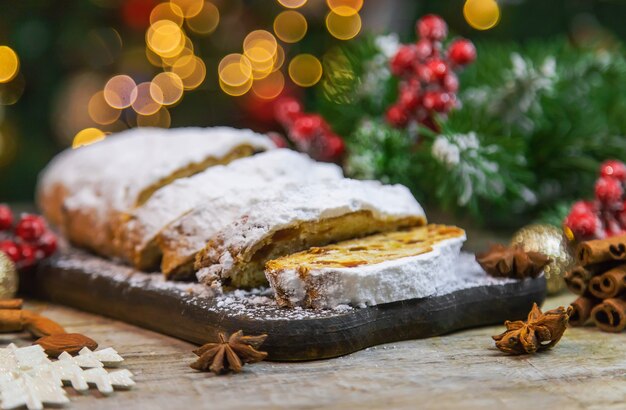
(225, 190)
(84, 190)
(300, 217)
(377, 269)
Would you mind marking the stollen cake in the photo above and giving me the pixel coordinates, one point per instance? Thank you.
(225, 190)
(382, 268)
(300, 217)
(85, 190)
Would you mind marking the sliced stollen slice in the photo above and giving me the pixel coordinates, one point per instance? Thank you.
(226, 189)
(382, 268)
(84, 190)
(299, 217)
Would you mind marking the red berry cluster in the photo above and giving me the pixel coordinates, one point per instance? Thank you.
(26, 241)
(428, 80)
(606, 215)
(309, 133)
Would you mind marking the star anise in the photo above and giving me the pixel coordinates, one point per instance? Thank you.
(229, 355)
(512, 262)
(541, 331)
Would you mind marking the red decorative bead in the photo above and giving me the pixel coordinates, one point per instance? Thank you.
(307, 126)
(451, 82)
(397, 116)
(424, 49)
(438, 68)
(30, 228)
(47, 244)
(6, 217)
(409, 99)
(462, 52)
(609, 191)
(613, 168)
(432, 27)
(10, 249)
(584, 226)
(28, 254)
(402, 62)
(286, 110)
(436, 101)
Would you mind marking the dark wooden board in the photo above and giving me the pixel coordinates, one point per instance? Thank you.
(89, 283)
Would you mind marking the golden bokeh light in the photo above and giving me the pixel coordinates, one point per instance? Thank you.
(290, 26)
(260, 46)
(345, 7)
(481, 14)
(165, 38)
(343, 27)
(279, 59)
(206, 21)
(197, 76)
(100, 111)
(118, 91)
(236, 90)
(88, 136)
(143, 102)
(166, 88)
(153, 58)
(292, 4)
(9, 64)
(235, 70)
(189, 8)
(186, 51)
(11, 92)
(160, 119)
(305, 70)
(269, 87)
(167, 11)
(184, 66)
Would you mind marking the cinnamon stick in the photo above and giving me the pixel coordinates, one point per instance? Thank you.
(577, 280)
(610, 284)
(582, 310)
(601, 250)
(11, 304)
(11, 320)
(610, 315)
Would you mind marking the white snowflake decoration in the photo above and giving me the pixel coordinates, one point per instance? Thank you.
(29, 378)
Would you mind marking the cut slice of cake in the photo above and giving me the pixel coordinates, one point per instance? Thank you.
(377, 269)
(300, 217)
(84, 190)
(226, 189)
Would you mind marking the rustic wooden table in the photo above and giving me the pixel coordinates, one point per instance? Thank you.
(587, 370)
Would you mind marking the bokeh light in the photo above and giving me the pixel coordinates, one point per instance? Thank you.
(206, 21)
(11, 92)
(189, 8)
(279, 59)
(143, 103)
(343, 27)
(166, 88)
(165, 38)
(260, 47)
(193, 79)
(9, 64)
(100, 111)
(345, 7)
(160, 119)
(88, 136)
(235, 70)
(292, 4)
(290, 26)
(305, 70)
(167, 11)
(118, 91)
(269, 87)
(481, 14)
(186, 51)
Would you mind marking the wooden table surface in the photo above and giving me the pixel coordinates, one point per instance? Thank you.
(586, 370)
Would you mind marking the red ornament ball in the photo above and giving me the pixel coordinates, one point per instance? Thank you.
(28, 254)
(402, 62)
(30, 228)
(583, 225)
(10, 249)
(613, 168)
(397, 116)
(432, 27)
(438, 68)
(6, 218)
(47, 244)
(462, 52)
(287, 109)
(609, 190)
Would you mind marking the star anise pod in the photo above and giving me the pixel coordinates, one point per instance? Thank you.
(541, 331)
(229, 355)
(512, 262)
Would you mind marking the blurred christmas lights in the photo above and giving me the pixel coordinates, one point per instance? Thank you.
(342, 26)
(118, 91)
(290, 26)
(345, 7)
(305, 70)
(481, 14)
(9, 64)
(206, 21)
(292, 4)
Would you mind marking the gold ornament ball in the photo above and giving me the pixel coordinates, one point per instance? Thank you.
(8, 277)
(550, 241)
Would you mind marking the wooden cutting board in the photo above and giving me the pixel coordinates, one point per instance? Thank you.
(188, 312)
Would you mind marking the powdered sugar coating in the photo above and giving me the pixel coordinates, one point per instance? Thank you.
(303, 203)
(225, 189)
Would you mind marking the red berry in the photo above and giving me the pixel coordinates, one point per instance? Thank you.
(409, 99)
(30, 227)
(278, 139)
(47, 244)
(462, 52)
(402, 62)
(451, 82)
(424, 73)
(424, 49)
(432, 27)
(613, 168)
(582, 207)
(584, 226)
(333, 148)
(286, 110)
(28, 254)
(438, 68)
(307, 126)
(609, 191)
(436, 101)
(11, 249)
(6, 217)
(397, 116)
